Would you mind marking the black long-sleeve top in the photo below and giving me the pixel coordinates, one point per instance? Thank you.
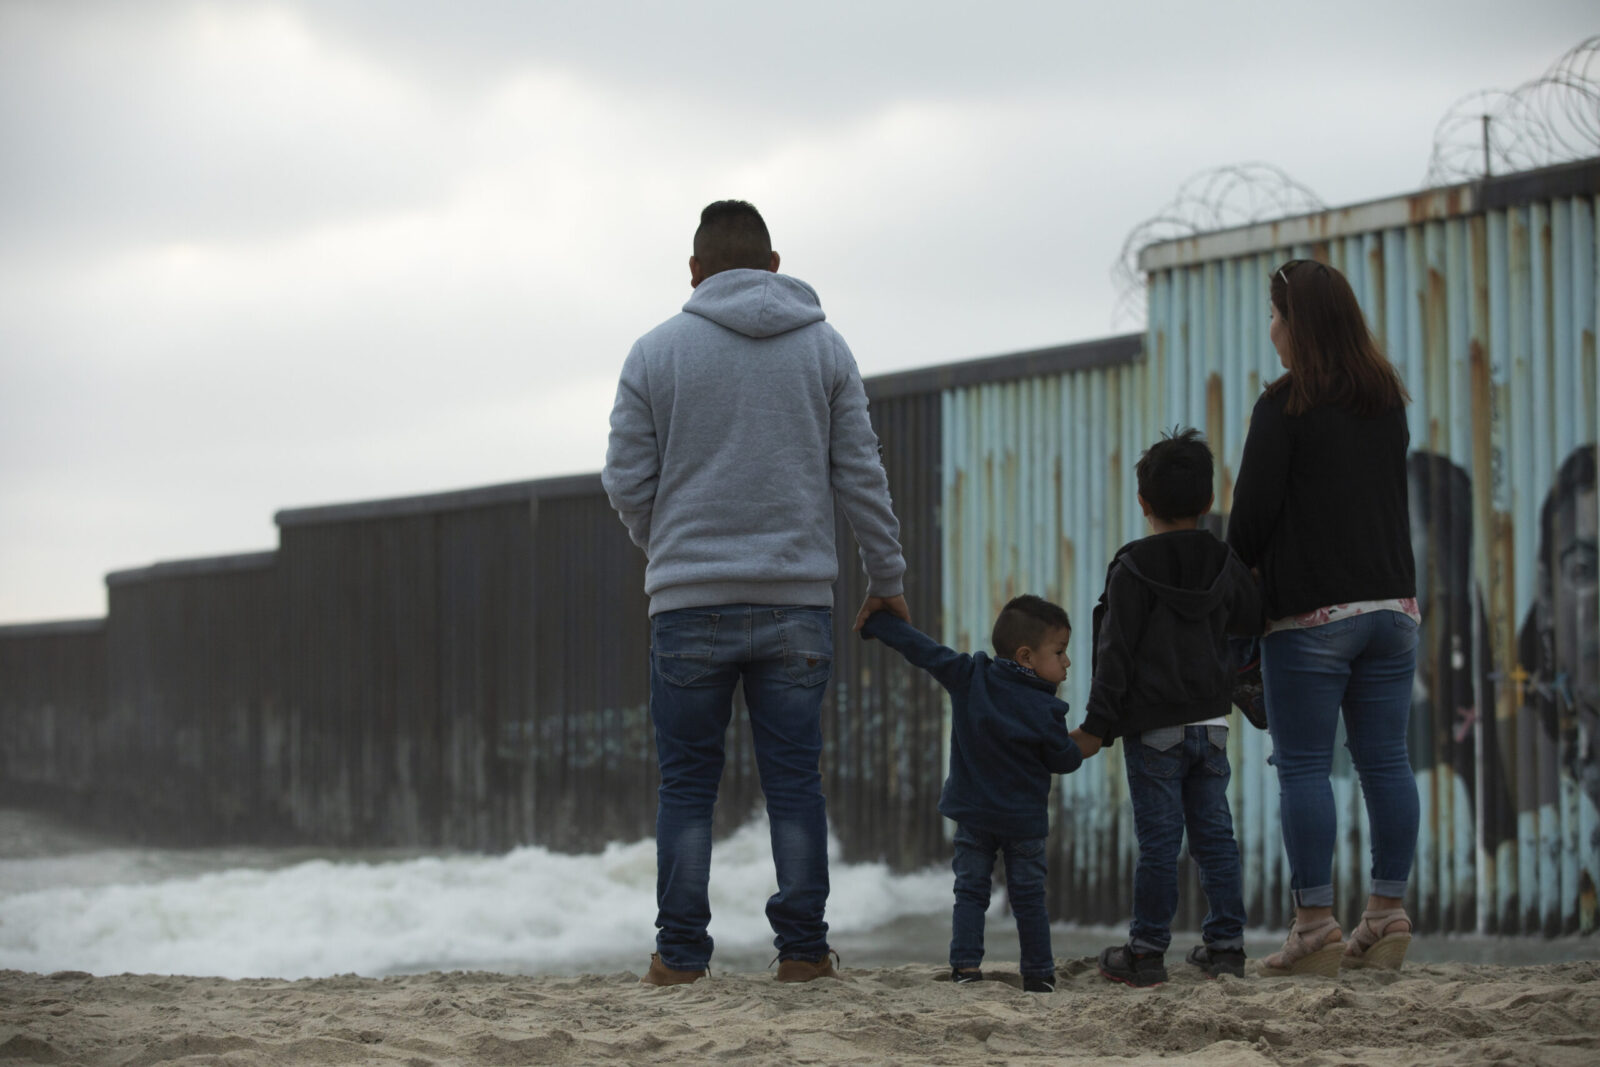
(1320, 506)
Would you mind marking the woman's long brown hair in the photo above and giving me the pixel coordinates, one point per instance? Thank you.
(1333, 357)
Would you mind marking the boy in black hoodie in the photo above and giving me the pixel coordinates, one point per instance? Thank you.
(1008, 735)
(1163, 679)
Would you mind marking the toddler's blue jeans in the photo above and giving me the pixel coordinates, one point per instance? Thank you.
(1025, 877)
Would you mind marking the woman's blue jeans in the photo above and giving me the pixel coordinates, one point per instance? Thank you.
(1364, 665)
(783, 656)
(1025, 878)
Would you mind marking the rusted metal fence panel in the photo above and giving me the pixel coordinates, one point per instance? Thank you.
(1484, 297)
(472, 669)
(593, 752)
(52, 702)
(883, 722)
(413, 663)
(363, 685)
(189, 748)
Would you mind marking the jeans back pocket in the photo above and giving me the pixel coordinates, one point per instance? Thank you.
(682, 643)
(807, 635)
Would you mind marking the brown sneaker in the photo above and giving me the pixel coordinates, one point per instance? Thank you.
(806, 970)
(660, 974)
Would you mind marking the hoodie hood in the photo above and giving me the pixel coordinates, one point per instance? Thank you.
(1185, 568)
(756, 303)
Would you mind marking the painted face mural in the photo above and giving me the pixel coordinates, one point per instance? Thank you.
(1559, 650)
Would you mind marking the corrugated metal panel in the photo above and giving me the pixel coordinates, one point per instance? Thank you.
(1490, 318)
(1034, 502)
(883, 724)
(186, 750)
(591, 761)
(52, 701)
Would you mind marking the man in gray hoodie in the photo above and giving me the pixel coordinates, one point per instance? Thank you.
(738, 425)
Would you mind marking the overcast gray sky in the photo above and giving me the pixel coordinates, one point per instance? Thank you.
(257, 255)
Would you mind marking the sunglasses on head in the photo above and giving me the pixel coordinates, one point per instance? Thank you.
(1283, 271)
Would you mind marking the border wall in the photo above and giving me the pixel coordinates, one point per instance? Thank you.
(441, 671)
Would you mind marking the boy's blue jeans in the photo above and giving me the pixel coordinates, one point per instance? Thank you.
(1361, 666)
(1178, 780)
(1025, 874)
(783, 655)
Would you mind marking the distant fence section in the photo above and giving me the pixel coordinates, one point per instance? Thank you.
(470, 669)
(52, 703)
(467, 669)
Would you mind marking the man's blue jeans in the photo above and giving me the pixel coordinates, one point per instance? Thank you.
(783, 655)
(1025, 871)
(1364, 664)
(1178, 779)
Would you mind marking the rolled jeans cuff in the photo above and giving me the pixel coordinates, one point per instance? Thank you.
(1320, 896)
(1143, 947)
(1388, 888)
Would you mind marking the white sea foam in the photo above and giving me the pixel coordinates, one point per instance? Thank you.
(529, 911)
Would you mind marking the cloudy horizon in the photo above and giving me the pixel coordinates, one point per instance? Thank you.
(267, 254)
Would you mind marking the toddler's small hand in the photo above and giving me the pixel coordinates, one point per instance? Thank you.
(1088, 743)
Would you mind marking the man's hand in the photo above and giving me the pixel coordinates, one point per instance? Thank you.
(1088, 744)
(894, 605)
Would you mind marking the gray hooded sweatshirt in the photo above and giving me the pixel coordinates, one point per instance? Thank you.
(737, 424)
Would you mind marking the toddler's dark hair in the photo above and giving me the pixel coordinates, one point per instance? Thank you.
(1024, 621)
(1175, 475)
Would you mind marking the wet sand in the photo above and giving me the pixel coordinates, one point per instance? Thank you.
(1431, 1013)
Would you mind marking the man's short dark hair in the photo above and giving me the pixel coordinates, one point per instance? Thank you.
(1175, 475)
(1024, 622)
(732, 235)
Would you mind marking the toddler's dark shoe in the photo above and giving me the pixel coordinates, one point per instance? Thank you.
(1035, 984)
(1217, 961)
(961, 976)
(1121, 964)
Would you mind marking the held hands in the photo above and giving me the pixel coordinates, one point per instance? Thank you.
(1088, 744)
(894, 605)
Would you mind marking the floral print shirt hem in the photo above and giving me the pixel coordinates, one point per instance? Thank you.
(1334, 612)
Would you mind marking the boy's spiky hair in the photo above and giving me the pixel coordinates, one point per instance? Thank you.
(1024, 621)
(1175, 475)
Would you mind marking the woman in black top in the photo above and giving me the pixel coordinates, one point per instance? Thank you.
(1320, 512)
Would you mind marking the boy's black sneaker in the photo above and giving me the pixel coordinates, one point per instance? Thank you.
(1217, 961)
(1121, 964)
(960, 977)
(1038, 985)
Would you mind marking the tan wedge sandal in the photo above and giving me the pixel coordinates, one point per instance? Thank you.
(1377, 943)
(1314, 948)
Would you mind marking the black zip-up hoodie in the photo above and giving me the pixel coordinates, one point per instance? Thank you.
(1161, 633)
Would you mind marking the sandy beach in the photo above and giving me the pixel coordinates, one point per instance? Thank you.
(1445, 1014)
